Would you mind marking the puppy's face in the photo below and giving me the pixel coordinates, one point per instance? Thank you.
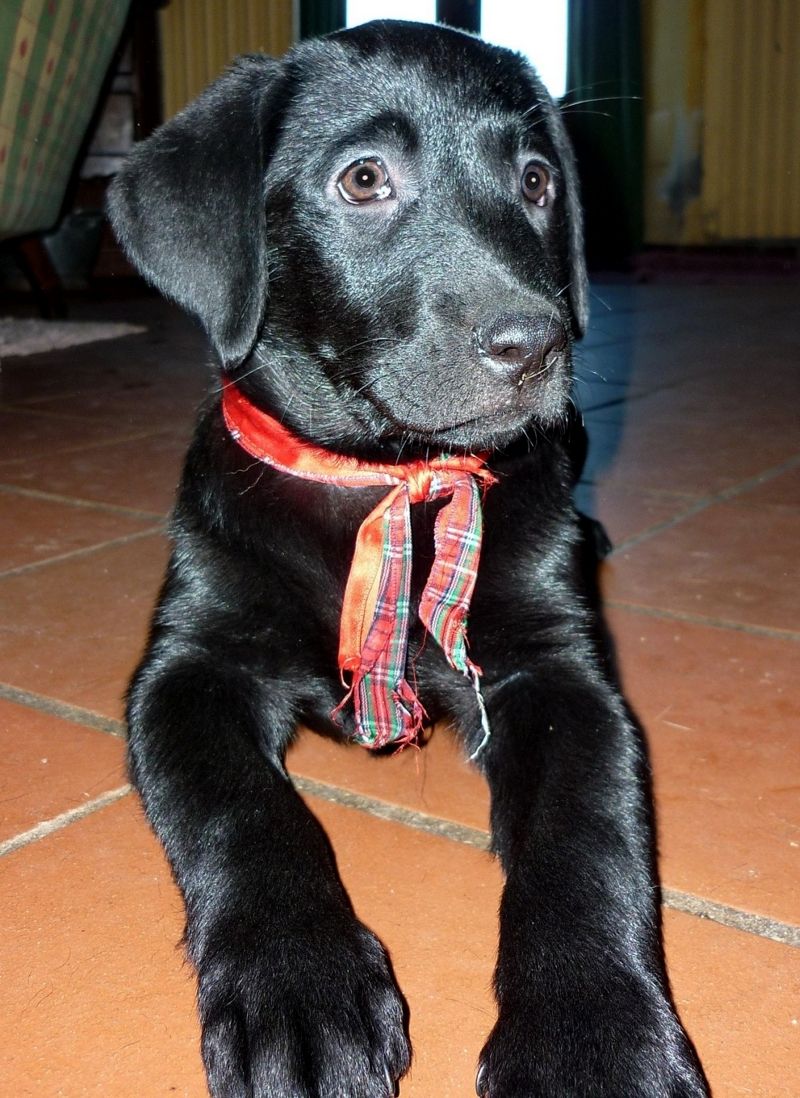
(418, 237)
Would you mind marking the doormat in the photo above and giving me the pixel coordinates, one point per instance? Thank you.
(31, 336)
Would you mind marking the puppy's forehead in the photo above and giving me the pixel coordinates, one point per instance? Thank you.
(415, 84)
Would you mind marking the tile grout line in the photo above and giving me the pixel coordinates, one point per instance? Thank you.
(57, 823)
(78, 501)
(700, 619)
(114, 440)
(706, 502)
(760, 926)
(87, 551)
(68, 418)
(755, 481)
(32, 402)
(689, 512)
(101, 443)
(394, 813)
(75, 713)
(63, 417)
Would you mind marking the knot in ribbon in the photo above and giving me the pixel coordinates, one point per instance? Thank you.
(373, 638)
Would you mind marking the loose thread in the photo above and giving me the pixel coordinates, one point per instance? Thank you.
(487, 731)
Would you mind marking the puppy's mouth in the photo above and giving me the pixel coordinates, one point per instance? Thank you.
(480, 430)
(491, 417)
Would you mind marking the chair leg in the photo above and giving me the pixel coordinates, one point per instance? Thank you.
(35, 261)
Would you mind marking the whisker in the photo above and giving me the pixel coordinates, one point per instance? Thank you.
(601, 99)
(403, 442)
(581, 89)
(579, 110)
(597, 297)
(538, 106)
(587, 369)
(254, 370)
(370, 340)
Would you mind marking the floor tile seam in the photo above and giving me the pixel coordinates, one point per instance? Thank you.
(742, 487)
(71, 394)
(65, 451)
(676, 495)
(63, 394)
(391, 812)
(649, 532)
(58, 823)
(115, 440)
(65, 417)
(86, 551)
(724, 914)
(63, 710)
(78, 501)
(633, 394)
(733, 491)
(760, 926)
(702, 619)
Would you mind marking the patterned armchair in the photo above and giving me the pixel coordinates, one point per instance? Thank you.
(54, 55)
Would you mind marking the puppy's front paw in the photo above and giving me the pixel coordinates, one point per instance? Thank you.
(615, 1054)
(307, 1014)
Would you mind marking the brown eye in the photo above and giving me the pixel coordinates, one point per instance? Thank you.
(535, 180)
(365, 181)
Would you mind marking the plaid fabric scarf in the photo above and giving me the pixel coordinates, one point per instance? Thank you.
(373, 640)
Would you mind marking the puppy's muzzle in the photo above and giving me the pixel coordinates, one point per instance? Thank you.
(520, 345)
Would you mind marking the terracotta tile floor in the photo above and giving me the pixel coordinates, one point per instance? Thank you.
(690, 394)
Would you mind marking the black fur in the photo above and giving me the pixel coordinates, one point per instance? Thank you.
(437, 319)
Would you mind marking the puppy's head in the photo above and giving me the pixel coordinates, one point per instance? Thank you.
(380, 233)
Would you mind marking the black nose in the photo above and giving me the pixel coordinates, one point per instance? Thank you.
(518, 342)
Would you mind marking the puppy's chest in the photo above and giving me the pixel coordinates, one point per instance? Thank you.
(340, 553)
(315, 552)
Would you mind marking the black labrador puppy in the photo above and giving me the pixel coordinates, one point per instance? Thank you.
(381, 235)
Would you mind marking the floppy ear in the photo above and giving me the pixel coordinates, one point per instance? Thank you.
(188, 206)
(575, 259)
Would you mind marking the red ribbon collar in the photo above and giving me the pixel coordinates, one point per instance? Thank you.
(373, 642)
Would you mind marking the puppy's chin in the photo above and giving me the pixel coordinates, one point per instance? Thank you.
(492, 432)
(490, 427)
(392, 420)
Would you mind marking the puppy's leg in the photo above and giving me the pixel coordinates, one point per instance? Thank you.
(296, 996)
(583, 1004)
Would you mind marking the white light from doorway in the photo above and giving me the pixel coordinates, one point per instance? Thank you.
(537, 30)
